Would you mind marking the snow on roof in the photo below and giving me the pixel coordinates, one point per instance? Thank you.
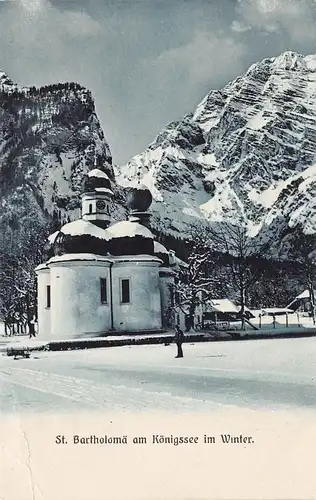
(78, 256)
(180, 262)
(80, 227)
(142, 187)
(135, 258)
(103, 190)
(51, 238)
(224, 305)
(159, 248)
(272, 310)
(303, 295)
(98, 258)
(129, 229)
(96, 172)
(41, 267)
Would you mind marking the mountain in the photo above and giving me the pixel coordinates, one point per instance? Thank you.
(247, 153)
(49, 138)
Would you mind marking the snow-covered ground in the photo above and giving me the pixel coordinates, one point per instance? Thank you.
(280, 323)
(254, 374)
(260, 388)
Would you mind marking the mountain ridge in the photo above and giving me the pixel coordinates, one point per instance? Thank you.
(240, 155)
(49, 138)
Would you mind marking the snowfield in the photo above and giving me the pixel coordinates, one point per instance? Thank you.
(262, 392)
(269, 374)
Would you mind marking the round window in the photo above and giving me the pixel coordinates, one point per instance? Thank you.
(100, 205)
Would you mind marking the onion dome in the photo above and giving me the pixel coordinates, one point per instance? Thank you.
(96, 181)
(51, 238)
(162, 253)
(130, 238)
(139, 198)
(48, 249)
(81, 236)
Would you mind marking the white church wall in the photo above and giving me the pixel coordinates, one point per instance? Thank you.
(43, 312)
(143, 312)
(76, 299)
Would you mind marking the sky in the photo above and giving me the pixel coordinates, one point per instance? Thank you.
(147, 62)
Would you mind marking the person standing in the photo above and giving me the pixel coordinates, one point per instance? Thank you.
(32, 328)
(179, 339)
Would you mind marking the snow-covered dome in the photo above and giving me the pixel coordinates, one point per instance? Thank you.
(130, 238)
(96, 180)
(139, 198)
(51, 238)
(159, 248)
(81, 226)
(129, 229)
(81, 236)
(161, 252)
(48, 248)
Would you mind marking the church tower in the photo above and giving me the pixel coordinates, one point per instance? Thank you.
(96, 198)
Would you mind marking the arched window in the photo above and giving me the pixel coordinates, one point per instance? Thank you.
(90, 208)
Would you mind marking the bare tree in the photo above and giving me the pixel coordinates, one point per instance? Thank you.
(238, 249)
(20, 252)
(303, 251)
(196, 281)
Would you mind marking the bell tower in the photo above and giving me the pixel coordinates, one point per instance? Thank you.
(96, 198)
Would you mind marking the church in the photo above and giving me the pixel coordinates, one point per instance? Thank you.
(105, 277)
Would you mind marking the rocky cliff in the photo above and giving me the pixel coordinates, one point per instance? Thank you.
(247, 153)
(49, 138)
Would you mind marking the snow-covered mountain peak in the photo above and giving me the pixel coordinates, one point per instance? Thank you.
(294, 61)
(248, 150)
(288, 60)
